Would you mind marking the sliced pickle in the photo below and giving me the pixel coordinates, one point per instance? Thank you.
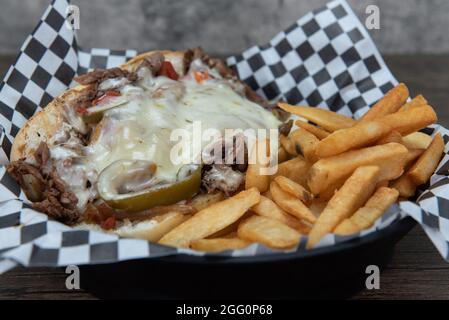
(130, 185)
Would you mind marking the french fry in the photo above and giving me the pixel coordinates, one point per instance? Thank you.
(390, 103)
(412, 155)
(269, 232)
(405, 186)
(305, 143)
(288, 145)
(219, 244)
(290, 204)
(393, 136)
(317, 132)
(328, 120)
(417, 101)
(317, 206)
(267, 194)
(267, 208)
(412, 120)
(295, 169)
(426, 164)
(295, 189)
(417, 140)
(383, 183)
(374, 208)
(353, 194)
(389, 157)
(329, 192)
(254, 178)
(282, 155)
(212, 219)
(360, 135)
(231, 229)
(346, 227)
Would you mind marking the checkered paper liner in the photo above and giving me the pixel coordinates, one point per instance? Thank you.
(325, 59)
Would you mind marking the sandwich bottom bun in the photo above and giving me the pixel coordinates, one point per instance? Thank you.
(151, 230)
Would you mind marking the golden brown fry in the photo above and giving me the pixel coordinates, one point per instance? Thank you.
(405, 186)
(269, 232)
(295, 189)
(328, 120)
(295, 169)
(282, 155)
(353, 194)
(412, 155)
(254, 177)
(329, 192)
(346, 227)
(288, 145)
(412, 120)
(375, 207)
(389, 157)
(219, 244)
(318, 132)
(417, 101)
(317, 206)
(393, 136)
(365, 217)
(360, 135)
(417, 140)
(212, 219)
(426, 164)
(290, 204)
(383, 183)
(269, 209)
(231, 229)
(305, 143)
(390, 103)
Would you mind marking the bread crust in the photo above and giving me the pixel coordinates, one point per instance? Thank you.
(43, 125)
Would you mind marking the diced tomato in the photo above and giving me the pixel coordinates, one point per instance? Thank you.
(81, 110)
(168, 71)
(109, 223)
(105, 211)
(105, 96)
(201, 76)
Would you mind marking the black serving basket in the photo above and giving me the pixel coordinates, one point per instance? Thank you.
(336, 271)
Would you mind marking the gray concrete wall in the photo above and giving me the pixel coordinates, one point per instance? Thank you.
(224, 26)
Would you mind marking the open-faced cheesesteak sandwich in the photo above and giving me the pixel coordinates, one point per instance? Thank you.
(99, 154)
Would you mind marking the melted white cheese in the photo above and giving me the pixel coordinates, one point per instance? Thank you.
(141, 128)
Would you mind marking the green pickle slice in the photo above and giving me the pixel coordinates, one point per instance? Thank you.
(114, 179)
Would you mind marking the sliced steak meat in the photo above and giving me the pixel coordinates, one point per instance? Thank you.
(226, 72)
(153, 62)
(99, 75)
(29, 178)
(286, 127)
(223, 178)
(214, 63)
(42, 154)
(47, 191)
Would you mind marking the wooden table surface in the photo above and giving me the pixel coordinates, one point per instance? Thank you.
(416, 272)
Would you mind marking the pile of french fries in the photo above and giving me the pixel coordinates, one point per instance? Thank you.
(336, 175)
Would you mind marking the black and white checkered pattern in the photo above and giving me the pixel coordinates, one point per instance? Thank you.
(325, 59)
